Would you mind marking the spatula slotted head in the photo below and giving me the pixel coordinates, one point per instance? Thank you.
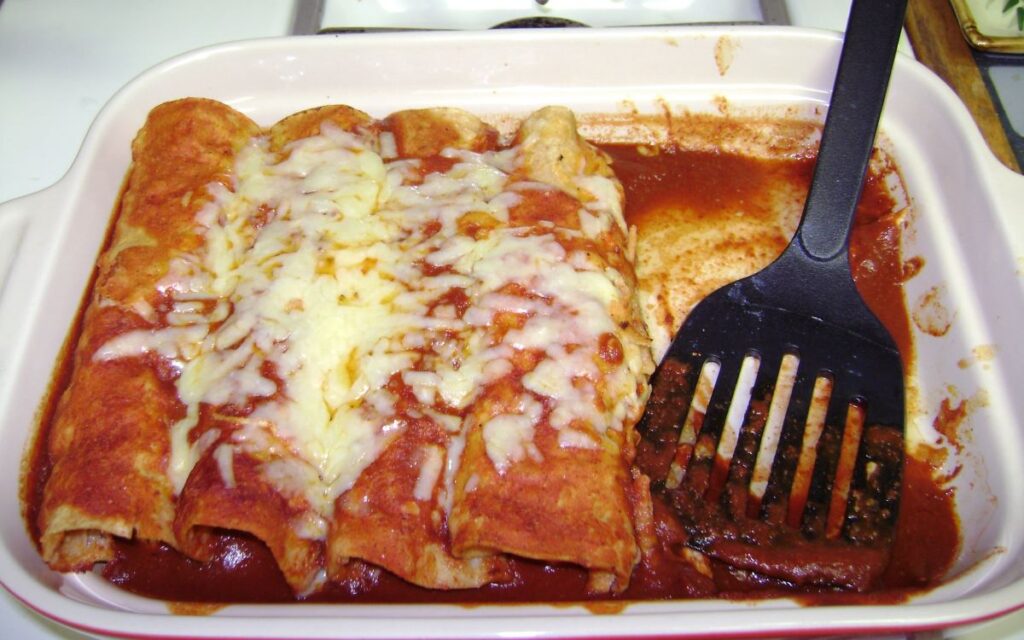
(846, 467)
(790, 455)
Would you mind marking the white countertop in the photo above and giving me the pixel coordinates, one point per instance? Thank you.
(61, 60)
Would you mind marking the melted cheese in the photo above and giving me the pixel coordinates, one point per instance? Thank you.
(508, 438)
(225, 456)
(430, 471)
(308, 299)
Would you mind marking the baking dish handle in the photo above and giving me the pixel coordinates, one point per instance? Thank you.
(25, 235)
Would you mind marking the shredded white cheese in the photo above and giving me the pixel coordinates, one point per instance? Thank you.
(309, 297)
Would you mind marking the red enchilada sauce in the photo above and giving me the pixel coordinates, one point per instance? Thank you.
(710, 186)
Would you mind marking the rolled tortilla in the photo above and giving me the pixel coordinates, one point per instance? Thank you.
(549, 440)
(395, 515)
(108, 450)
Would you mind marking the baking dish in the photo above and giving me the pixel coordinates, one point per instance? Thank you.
(963, 226)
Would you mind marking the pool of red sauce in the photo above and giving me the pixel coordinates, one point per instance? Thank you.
(926, 537)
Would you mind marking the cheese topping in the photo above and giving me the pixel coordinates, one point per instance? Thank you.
(508, 439)
(430, 471)
(317, 296)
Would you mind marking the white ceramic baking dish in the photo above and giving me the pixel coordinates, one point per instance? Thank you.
(966, 224)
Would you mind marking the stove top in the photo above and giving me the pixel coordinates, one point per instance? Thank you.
(374, 15)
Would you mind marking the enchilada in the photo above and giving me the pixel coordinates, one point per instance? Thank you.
(388, 342)
(106, 448)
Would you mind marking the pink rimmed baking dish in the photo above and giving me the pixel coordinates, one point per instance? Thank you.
(965, 224)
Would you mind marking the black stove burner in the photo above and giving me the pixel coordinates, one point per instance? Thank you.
(538, 22)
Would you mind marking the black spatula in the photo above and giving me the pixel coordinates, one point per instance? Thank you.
(831, 479)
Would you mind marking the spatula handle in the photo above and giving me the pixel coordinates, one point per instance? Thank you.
(869, 47)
